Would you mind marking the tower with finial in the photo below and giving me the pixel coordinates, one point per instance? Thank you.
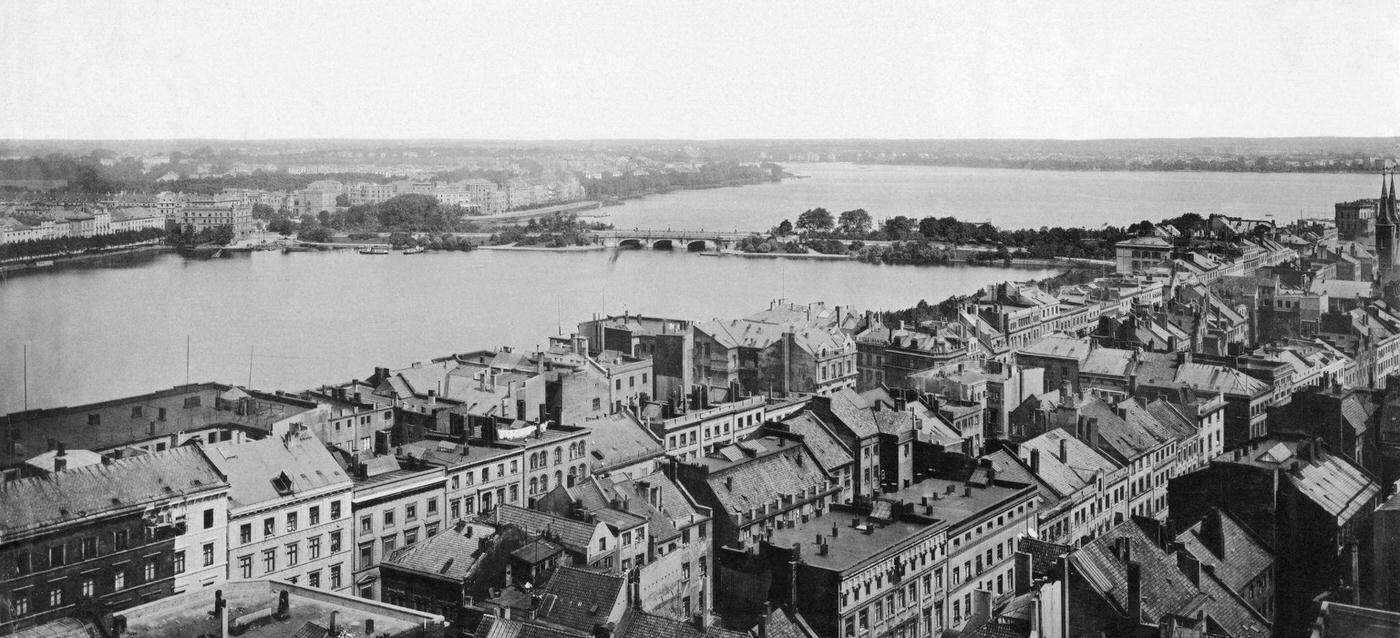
(1387, 229)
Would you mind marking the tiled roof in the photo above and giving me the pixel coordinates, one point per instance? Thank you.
(1045, 556)
(450, 554)
(676, 509)
(160, 476)
(854, 412)
(1112, 362)
(1242, 556)
(828, 449)
(762, 480)
(644, 625)
(1008, 467)
(783, 625)
(1123, 440)
(585, 597)
(1079, 467)
(1212, 378)
(573, 534)
(493, 627)
(254, 468)
(1164, 588)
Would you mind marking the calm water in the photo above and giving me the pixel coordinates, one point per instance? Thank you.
(1009, 198)
(311, 318)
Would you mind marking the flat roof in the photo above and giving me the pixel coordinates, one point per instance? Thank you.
(956, 508)
(851, 546)
(187, 614)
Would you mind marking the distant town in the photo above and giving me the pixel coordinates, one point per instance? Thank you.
(1201, 442)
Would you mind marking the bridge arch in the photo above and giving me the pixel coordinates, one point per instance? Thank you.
(663, 244)
(631, 243)
(700, 245)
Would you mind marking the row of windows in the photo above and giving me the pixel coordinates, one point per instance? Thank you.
(291, 524)
(389, 516)
(291, 554)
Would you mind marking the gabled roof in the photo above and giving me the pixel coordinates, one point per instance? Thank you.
(1242, 556)
(1204, 377)
(621, 440)
(852, 410)
(763, 479)
(1059, 346)
(1165, 590)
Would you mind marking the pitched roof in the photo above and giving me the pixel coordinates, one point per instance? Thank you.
(621, 440)
(276, 467)
(1241, 555)
(854, 412)
(1059, 346)
(450, 554)
(1078, 468)
(160, 476)
(828, 449)
(1213, 378)
(1164, 588)
(573, 534)
(644, 625)
(585, 597)
(764, 478)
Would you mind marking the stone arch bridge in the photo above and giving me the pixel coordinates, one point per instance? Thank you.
(668, 239)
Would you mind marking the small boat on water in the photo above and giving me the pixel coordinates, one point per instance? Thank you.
(413, 251)
(375, 250)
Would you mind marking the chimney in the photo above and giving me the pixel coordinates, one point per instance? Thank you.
(1035, 461)
(1212, 533)
(835, 530)
(1134, 593)
(1189, 566)
(333, 619)
(1066, 391)
(59, 464)
(1064, 450)
(61, 451)
(1022, 576)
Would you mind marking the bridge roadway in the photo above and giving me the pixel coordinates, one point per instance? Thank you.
(672, 238)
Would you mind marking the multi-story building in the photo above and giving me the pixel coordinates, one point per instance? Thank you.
(289, 511)
(391, 507)
(877, 570)
(985, 516)
(1084, 491)
(668, 343)
(116, 533)
(209, 212)
(783, 358)
(702, 426)
(1141, 254)
(1301, 499)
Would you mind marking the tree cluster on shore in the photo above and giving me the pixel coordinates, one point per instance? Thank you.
(77, 245)
(936, 240)
(555, 231)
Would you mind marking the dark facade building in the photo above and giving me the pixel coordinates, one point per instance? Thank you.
(102, 537)
(1309, 504)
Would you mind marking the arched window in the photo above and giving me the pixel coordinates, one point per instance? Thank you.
(559, 454)
(544, 483)
(534, 486)
(559, 478)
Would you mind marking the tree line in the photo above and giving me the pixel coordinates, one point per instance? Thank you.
(610, 186)
(76, 245)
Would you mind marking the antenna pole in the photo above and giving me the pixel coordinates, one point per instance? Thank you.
(26, 377)
(187, 359)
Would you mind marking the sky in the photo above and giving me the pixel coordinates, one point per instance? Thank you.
(144, 69)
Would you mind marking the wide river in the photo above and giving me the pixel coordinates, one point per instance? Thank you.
(298, 320)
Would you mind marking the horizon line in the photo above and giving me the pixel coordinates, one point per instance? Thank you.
(524, 140)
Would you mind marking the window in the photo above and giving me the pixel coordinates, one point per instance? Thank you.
(685, 570)
(269, 557)
(56, 597)
(291, 521)
(56, 553)
(410, 537)
(411, 511)
(313, 548)
(87, 588)
(245, 533)
(89, 547)
(390, 543)
(148, 571)
(366, 554)
(208, 554)
(603, 544)
(313, 516)
(335, 541)
(208, 518)
(335, 510)
(335, 576)
(432, 506)
(269, 525)
(292, 550)
(245, 566)
(177, 562)
(597, 404)
(388, 518)
(366, 525)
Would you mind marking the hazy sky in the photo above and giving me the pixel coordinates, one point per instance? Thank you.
(533, 70)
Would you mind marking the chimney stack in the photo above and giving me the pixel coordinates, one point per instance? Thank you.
(1134, 593)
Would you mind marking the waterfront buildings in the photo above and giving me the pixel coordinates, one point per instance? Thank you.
(209, 212)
